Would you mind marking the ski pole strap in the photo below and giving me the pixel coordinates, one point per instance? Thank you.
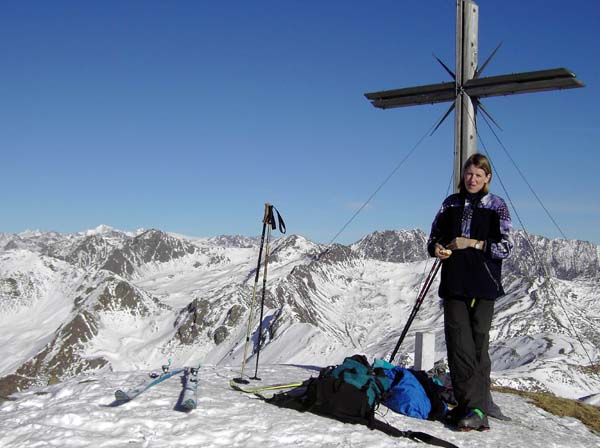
(282, 228)
(269, 218)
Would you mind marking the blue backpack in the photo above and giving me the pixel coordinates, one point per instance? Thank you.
(407, 394)
(413, 393)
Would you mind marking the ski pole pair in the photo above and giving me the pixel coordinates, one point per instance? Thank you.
(420, 298)
(269, 223)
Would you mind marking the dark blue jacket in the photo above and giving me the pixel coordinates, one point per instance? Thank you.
(471, 272)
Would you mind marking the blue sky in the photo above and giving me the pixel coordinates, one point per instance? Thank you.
(188, 116)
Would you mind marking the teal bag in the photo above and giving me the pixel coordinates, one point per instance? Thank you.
(357, 371)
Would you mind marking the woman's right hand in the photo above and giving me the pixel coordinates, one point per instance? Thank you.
(441, 252)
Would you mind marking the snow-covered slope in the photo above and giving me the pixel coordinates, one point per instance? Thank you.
(79, 413)
(108, 300)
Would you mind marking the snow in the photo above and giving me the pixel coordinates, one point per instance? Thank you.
(326, 311)
(593, 400)
(102, 228)
(80, 413)
(44, 288)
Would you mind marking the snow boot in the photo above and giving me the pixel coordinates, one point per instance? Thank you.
(474, 419)
(454, 415)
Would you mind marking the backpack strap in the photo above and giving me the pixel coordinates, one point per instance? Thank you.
(417, 436)
(379, 385)
(299, 400)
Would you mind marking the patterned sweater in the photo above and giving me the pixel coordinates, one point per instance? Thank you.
(471, 272)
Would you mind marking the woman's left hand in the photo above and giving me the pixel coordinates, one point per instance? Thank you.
(459, 243)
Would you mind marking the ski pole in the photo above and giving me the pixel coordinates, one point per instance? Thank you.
(420, 298)
(271, 221)
(262, 241)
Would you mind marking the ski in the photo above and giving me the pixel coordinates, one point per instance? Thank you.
(256, 390)
(189, 400)
(130, 394)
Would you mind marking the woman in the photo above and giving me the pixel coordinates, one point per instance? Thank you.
(471, 235)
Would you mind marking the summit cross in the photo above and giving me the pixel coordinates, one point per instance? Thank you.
(468, 87)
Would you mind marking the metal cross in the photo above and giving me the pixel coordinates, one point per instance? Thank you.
(469, 87)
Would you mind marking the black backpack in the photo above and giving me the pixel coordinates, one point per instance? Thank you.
(349, 392)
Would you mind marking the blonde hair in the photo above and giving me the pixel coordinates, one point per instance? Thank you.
(478, 161)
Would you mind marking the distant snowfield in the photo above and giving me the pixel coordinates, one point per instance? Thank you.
(79, 413)
(25, 333)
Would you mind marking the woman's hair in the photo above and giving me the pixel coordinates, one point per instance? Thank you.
(478, 161)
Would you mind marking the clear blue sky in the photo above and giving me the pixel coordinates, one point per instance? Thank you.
(188, 116)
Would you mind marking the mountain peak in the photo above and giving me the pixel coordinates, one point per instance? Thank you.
(239, 241)
(398, 246)
(101, 229)
(321, 302)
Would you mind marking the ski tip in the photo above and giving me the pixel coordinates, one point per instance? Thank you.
(121, 395)
(234, 386)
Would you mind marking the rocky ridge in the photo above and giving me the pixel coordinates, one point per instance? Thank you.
(151, 294)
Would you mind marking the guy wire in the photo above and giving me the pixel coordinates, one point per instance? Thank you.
(379, 187)
(538, 259)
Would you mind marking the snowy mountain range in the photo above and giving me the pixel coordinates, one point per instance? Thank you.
(111, 301)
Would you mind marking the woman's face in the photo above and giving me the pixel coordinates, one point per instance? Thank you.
(475, 179)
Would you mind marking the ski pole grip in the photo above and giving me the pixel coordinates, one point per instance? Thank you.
(268, 212)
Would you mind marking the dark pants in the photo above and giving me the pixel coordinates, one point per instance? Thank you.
(467, 327)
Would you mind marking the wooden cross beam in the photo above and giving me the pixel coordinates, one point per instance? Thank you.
(558, 78)
(468, 87)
